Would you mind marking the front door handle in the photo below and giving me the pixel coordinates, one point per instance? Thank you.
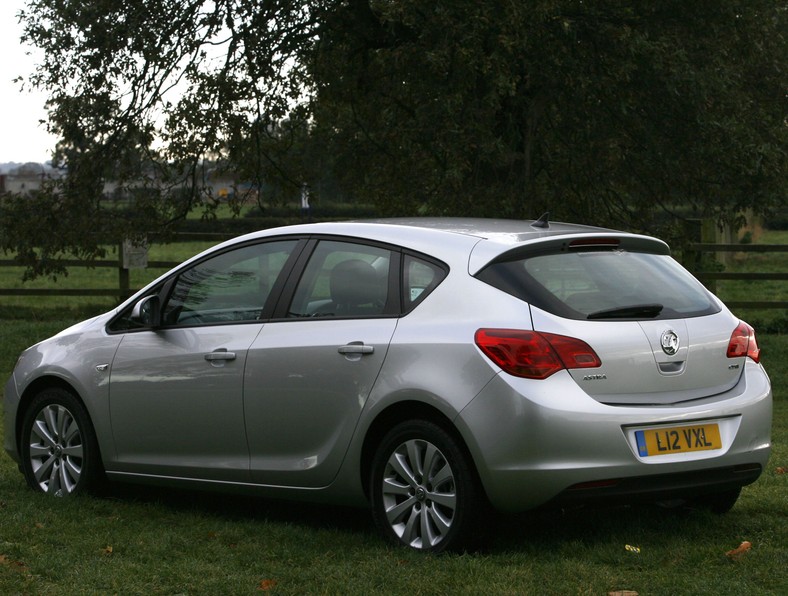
(220, 354)
(356, 348)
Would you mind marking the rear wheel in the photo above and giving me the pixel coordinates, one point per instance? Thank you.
(59, 451)
(425, 493)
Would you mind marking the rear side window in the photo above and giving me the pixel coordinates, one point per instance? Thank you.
(343, 279)
(603, 285)
(420, 278)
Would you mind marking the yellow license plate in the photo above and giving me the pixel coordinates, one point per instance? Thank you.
(679, 439)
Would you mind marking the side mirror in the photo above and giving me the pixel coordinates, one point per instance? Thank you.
(147, 312)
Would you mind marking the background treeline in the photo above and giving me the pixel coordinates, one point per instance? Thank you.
(629, 115)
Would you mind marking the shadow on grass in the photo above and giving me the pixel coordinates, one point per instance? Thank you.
(244, 508)
(551, 529)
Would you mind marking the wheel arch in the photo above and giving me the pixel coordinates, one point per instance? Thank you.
(401, 412)
(36, 387)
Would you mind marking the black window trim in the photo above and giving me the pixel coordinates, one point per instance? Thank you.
(283, 290)
(166, 286)
(537, 296)
(395, 304)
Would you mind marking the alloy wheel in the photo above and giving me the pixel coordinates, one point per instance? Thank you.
(56, 450)
(419, 494)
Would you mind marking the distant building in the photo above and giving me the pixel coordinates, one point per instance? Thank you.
(27, 178)
(218, 185)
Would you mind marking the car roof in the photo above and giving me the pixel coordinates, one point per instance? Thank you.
(513, 229)
(477, 241)
(506, 230)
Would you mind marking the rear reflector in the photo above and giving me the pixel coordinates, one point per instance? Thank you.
(743, 343)
(534, 355)
(596, 484)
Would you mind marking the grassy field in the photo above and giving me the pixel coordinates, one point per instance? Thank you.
(148, 541)
(135, 541)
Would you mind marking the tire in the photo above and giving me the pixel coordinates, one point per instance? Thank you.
(719, 503)
(60, 454)
(425, 491)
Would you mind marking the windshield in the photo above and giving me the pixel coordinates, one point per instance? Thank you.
(605, 285)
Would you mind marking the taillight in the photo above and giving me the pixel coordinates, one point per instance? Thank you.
(743, 343)
(534, 355)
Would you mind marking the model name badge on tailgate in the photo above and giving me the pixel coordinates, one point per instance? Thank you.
(683, 439)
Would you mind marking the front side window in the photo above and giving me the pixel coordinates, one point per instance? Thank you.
(343, 279)
(230, 287)
(603, 285)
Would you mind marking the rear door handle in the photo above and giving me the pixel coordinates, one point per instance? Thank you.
(220, 354)
(356, 348)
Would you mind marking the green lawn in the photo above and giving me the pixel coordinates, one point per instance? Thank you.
(135, 541)
(148, 541)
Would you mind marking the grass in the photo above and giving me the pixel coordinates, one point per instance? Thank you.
(135, 540)
(142, 540)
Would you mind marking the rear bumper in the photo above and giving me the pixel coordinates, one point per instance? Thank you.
(534, 442)
(660, 487)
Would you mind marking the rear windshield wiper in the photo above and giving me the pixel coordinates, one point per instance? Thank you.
(627, 312)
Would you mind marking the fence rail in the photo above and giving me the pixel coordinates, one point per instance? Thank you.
(709, 278)
(691, 261)
(122, 292)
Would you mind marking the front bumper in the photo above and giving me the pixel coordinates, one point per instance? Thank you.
(10, 405)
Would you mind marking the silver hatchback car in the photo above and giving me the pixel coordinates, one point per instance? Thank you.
(428, 367)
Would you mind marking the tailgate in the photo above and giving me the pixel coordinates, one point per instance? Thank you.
(653, 362)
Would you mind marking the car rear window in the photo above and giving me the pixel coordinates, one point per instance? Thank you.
(610, 284)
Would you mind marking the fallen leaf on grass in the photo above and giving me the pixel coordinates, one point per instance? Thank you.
(266, 585)
(623, 593)
(781, 470)
(107, 552)
(5, 561)
(738, 552)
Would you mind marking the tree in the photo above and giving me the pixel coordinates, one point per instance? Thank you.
(601, 112)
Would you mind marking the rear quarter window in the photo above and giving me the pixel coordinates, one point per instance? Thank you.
(603, 284)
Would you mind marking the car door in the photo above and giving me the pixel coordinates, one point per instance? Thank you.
(176, 400)
(310, 372)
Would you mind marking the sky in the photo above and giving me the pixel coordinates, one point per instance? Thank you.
(22, 138)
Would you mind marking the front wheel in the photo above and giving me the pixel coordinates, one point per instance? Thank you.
(59, 451)
(425, 493)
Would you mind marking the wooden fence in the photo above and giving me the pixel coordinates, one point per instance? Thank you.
(691, 261)
(124, 289)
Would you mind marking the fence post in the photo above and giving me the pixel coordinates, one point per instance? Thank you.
(690, 257)
(708, 235)
(124, 283)
(133, 255)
